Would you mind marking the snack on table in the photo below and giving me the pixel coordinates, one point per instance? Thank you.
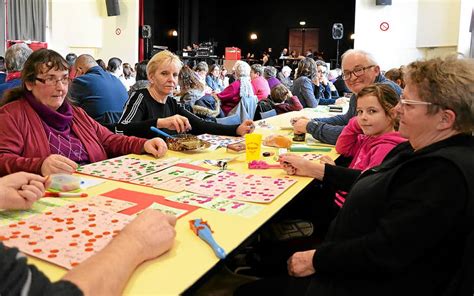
(186, 142)
(278, 141)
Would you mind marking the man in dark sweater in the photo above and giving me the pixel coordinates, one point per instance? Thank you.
(98, 92)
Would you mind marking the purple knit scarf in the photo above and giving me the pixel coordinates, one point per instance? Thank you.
(57, 125)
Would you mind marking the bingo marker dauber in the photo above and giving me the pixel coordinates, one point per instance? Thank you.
(202, 229)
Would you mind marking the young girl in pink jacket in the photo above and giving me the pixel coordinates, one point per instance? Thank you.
(371, 134)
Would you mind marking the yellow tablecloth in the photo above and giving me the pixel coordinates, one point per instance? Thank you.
(191, 258)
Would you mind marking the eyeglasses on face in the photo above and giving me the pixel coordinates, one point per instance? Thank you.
(53, 80)
(404, 103)
(358, 71)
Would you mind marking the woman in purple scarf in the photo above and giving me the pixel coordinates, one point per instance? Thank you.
(43, 133)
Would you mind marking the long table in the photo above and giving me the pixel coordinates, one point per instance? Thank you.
(190, 258)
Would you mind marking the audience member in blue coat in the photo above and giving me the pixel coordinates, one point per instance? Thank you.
(359, 70)
(212, 79)
(15, 57)
(98, 92)
(303, 86)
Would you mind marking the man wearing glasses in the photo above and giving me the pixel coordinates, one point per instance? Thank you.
(359, 70)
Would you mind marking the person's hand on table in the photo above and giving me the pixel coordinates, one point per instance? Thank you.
(301, 264)
(176, 122)
(56, 163)
(297, 165)
(246, 127)
(326, 159)
(153, 231)
(21, 190)
(156, 147)
(341, 101)
(293, 120)
(299, 125)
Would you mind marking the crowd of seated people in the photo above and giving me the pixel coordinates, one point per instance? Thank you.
(53, 121)
(104, 99)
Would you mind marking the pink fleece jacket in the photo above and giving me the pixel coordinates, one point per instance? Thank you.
(366, 151)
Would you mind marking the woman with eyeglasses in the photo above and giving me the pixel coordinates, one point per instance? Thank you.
(324, 89)
(406, 223)
(43, 133)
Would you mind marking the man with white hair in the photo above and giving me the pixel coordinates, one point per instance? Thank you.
(359, 70)
(284, 77)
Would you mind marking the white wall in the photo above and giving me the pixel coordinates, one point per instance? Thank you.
(417, 29)
(438, 23)
(393, 47)
(82, 26)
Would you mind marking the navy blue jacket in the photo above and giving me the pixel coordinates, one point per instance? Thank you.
(9, 84)
(100, 94)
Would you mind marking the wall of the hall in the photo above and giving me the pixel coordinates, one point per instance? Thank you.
(417, 29)
(82, 26)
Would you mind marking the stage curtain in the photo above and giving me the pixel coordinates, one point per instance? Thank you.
(26, 19)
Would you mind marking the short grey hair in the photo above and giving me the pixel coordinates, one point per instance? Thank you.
(202, 66)
(258, 69)
(370, 58)
(16, 56)
(269, 72)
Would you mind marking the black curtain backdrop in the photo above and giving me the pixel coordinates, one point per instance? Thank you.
(207, 20)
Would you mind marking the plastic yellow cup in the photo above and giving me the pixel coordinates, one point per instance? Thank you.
(253, 143)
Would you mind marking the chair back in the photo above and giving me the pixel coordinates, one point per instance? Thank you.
(244, 110)
(268, 114)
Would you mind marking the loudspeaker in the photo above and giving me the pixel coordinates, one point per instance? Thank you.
(383, 2)
(337, 31)
(113, 7)
(146, 32)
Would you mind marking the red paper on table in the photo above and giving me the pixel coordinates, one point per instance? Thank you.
(144, 200)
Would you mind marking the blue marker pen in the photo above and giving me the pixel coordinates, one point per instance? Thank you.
(160, 132)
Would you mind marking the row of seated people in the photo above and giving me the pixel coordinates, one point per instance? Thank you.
(43, 133)
(311, 86)
(123, 71)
